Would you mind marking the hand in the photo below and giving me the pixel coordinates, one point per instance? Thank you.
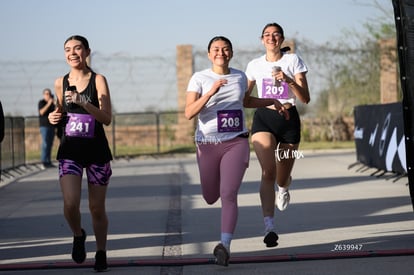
(216, 86)
(55, 116)
(281, 76)
(75, 97)
(281, 109)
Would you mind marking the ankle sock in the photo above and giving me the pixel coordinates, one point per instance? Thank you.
(282, 189)
(226, 240)
(269, 223)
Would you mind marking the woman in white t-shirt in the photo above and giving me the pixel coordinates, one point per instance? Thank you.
(281, 76)
(216, 95)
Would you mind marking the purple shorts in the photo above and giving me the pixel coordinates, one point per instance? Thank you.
(97, 174)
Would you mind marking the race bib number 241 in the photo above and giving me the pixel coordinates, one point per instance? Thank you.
(80, 125)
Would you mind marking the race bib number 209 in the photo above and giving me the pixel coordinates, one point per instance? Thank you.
(269, 90)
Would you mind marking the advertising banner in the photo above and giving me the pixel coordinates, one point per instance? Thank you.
(379, 137)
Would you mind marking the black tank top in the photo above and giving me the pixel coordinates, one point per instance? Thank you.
(84, 150)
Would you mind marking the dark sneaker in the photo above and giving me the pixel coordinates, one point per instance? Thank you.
(222, 255)
(100, 261)
(78, 249)
(271, 239)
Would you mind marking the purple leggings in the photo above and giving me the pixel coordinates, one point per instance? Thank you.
(222, 168)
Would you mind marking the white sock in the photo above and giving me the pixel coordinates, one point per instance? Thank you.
(282, 189)
(269, 223)
(226, 240)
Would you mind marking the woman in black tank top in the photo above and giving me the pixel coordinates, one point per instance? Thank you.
(83, 107)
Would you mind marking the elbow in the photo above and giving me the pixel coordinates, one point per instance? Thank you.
(305, 99)
(188, 115)
(107, 121)
(247, 102)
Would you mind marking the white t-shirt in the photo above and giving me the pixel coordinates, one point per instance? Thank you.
(222, 118)
(260, 70)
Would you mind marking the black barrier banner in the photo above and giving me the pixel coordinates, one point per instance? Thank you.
(404, 24)
(379, 137)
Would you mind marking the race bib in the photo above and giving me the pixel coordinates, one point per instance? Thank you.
(80, 125)
(229, 121)
(280, 91)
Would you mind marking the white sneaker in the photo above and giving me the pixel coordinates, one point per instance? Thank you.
(282, 200)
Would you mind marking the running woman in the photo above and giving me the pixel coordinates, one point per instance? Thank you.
(83, 107)
(281, 76)
(216, 96)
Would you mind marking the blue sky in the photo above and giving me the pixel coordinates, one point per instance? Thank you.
(33, 33)
(36, 29)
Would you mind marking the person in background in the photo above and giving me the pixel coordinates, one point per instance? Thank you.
(83, 107)
(281, 76)
(47, 130)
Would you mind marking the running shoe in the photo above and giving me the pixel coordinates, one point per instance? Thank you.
(100, 261)
(282, 200)
(271, 239)
(222, 255)
(78, 249)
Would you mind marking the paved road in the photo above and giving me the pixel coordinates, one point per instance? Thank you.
(341, 220)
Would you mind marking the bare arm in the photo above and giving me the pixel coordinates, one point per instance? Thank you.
(299, 86)
(102, 114)
(195, 103)
(55, 116)
(250, 101)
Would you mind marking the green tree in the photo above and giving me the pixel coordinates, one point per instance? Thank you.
(350, 66)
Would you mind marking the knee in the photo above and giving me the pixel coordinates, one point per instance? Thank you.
(269, 174)
(71, 206)
(71, 210)
(97, 212)
(230, 198)
(210, 200)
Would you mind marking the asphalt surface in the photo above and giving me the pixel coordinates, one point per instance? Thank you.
(343, 219)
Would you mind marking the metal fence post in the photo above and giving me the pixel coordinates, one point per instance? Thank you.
(157, 119)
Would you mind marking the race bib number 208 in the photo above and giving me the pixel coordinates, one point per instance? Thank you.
(229, 121)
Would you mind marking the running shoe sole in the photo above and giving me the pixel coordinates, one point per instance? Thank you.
(271, 239)
(221, 254)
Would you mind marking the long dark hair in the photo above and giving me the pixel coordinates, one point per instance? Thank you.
(220, 38)
(273, 25)
(83, 41)
(79, 38)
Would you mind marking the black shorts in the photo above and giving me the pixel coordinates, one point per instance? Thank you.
(285, 131)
